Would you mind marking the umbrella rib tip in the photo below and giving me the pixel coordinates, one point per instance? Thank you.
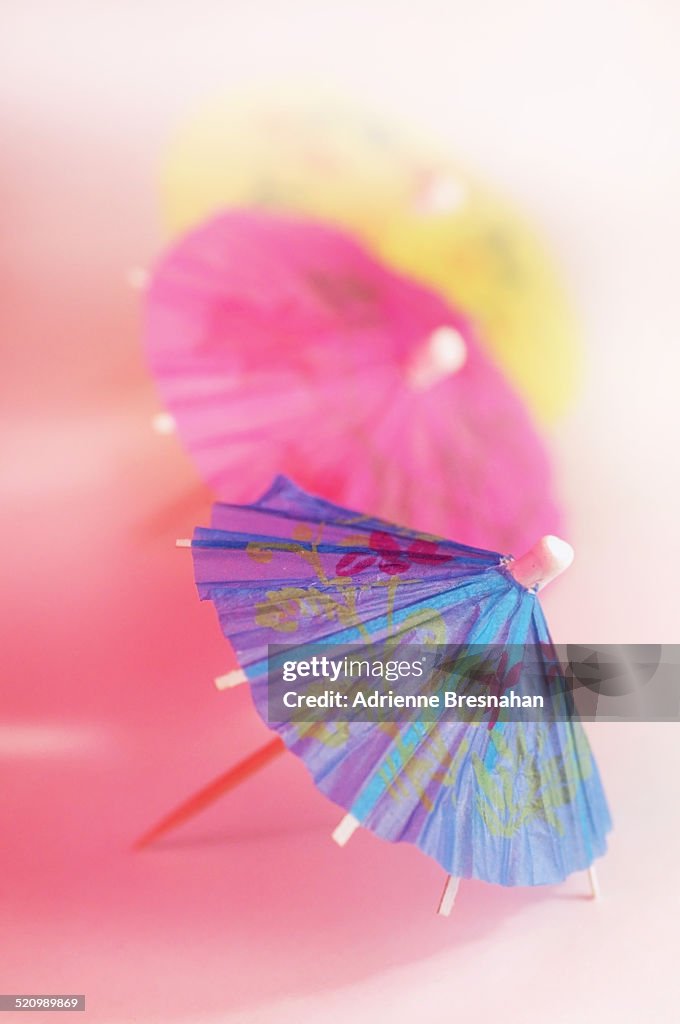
(345, 830)
(231, 679)
(448, 896)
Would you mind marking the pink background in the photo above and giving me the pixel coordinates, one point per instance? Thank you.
(108, 715)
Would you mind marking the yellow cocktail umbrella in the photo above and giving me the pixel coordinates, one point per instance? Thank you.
(409, 201)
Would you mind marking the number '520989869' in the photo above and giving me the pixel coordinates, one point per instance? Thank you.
(40, 1002)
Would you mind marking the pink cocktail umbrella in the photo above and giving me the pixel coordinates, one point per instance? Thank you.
(282, 345)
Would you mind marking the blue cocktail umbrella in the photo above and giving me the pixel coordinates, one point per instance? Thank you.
(509, 802)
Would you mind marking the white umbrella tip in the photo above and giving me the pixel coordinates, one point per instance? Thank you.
(441, 194)
(560, 553)
(448, 349)
(443, 354)
(163, 423)
(137, 278)
(549, 557)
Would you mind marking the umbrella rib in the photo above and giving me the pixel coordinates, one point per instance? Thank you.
(448, 896)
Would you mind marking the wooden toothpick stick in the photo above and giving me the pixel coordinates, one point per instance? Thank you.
(223, 783)
(213, 791)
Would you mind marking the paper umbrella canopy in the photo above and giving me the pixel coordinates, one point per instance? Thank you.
(511, 802)
(281, 345)
(402, 195)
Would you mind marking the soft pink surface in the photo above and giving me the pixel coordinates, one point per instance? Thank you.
(108, 713)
